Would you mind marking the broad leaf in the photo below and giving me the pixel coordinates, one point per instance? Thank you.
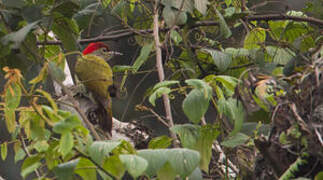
(183, 161)
(195, 105)
(155, 158)
(86, 169)
(144, 54)
(134, 164)
(65, 171)
(19, 36)
(254, 38)
(220, 59)
(160, 142)
(30, 164)
(173, 16)
(66, 143)
(157, 94)
(99, 149)
(224, 28)
(236, 140)
(114, 166)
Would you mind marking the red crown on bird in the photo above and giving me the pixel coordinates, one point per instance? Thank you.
(93, 47)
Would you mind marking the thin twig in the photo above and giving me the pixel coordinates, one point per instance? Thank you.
(161, 74)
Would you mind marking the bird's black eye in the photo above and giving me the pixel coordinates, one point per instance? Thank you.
(105, 50)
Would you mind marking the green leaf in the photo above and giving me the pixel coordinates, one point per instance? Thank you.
(236, 140)
(195, 105)
(280, 55)
(100, 149)
(122, 68)
(201, 6)
(228, 82)
(233, 109)
(254, 38)
(65, 171)
(157, 94)
(173, 16)
(183, 161)
(196, 174)
(56, 72)
(4, 151)
(12, 96)
(29, 165)
(156, 159)
(67, 125)
(166, 83)
(66, 143)
(12, 101)
(20, 155)
(114, 166)
(144, 54)
(204, 145)
(134, 164)
(67, 8)
(19, 36)
(176, 37)
(86, 169)
(166, 172)
(198, 138)
(186, 6)
(224, 28)
(188, 134)
(220, 59)
(32, 13)
(67, 31)
(160, 142)
(41, 146)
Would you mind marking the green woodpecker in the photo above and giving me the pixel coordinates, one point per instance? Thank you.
(96, 74)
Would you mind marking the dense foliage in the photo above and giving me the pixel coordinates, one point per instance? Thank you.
(249, 85)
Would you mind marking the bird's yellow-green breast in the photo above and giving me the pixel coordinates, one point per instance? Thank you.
(95, 73)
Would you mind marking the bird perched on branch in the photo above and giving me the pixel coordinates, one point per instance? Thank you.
(96, 74)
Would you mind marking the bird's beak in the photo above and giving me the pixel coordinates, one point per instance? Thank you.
(114, 53)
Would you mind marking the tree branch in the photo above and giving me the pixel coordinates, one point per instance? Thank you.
(161, 74)
(129, 33)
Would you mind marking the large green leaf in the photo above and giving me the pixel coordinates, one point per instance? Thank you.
(29, 165)
(173, 16)
(196, 174)
(160, 142)
(254, 38)
(236, 140)
(198, 138)
(186, 6)
(67, 31)
(144, 54)
(134, 164)
(67, 125)
(157, 94)
(66, 143)
(166, 172)
(114, 166)
(195, 105)
(65, 171)
(224, 28)
(233, 109)
(12, 101)
(19, 36)
(67, 8)
(156, 160)
(100, 149)
(183, 161)
(220, 59)
(86, 169)
(280, 55)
